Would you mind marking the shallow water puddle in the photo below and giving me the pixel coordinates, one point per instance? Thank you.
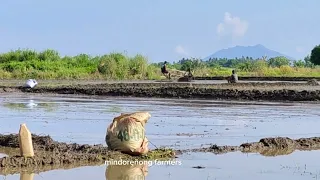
(299, 165)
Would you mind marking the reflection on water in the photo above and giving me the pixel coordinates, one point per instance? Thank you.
(26, 176)
(277, 152)
(30, 104)
(126, 172)
(232, 166)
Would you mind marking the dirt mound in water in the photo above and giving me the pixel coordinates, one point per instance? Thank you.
(267, 146)
(52, 153)
(283, 143)
(313, 82)
(46, 143)
(12, 141)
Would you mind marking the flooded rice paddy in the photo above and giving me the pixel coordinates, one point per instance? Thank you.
(179, 124)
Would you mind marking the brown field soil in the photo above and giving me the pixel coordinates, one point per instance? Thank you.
(276, 91)
(266, 146)
(50, 154)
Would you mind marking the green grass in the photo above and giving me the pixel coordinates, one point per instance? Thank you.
(49, 65)
(23, 64)
(283, 71)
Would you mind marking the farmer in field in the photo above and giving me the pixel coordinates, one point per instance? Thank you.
(164, 70)
(189, 73)
(233, 78)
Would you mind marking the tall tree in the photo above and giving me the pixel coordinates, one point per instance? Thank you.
(315, 55)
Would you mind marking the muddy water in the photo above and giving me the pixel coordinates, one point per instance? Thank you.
(235, 166)
(177, 123)
(180, 124)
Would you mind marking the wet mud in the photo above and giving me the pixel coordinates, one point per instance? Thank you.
(279, 91)
(261, 78)
(266, 146)
(50, 154)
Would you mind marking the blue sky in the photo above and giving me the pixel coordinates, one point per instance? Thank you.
(159, 29)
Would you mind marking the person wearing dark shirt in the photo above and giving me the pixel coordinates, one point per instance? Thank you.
(164, 70)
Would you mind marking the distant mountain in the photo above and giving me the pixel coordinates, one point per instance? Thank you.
(257, 51)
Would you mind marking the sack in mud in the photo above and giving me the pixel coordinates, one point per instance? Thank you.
(127, 133)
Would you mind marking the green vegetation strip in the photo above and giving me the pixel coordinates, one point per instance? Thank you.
(48, 64)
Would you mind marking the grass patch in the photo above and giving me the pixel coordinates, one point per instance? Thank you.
(160, 154)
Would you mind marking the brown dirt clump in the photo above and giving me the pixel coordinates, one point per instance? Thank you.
(52, 153)
(283, 143)
(218, 149)
(271, 146)
(313, 82)
(267, 146)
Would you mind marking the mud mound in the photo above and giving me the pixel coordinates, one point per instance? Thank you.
(216, 149)
(52, 153)
(185, 90)
(313, 82)
(4, 89)
(271, 146)
(266, 146)
(281, 143)
(46, 143)
(185, 79)
(10, 140)
(278, 142)
(307, 143)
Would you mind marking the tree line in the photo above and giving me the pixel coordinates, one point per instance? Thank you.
(247, 63)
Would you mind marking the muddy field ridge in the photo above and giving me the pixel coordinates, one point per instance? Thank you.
(275, 91)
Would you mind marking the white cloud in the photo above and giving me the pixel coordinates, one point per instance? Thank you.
(233, 26)
(181, 50)
(300, 49)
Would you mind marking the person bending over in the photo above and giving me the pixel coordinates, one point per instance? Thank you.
(188, 73)
(165, 71)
